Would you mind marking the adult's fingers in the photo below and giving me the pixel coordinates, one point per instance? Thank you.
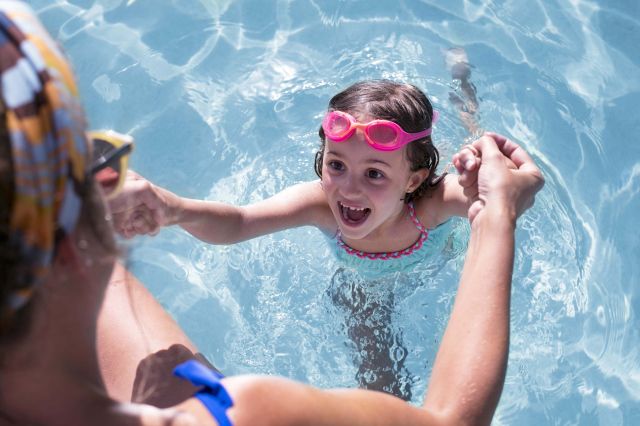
(513, 151)
(494, 178)
(474, 209)
(521, 159)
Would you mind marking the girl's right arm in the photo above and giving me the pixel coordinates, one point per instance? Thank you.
(143, 208)
(220, 223)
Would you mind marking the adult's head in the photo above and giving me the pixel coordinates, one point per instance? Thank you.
(46, 188)
(403, 104)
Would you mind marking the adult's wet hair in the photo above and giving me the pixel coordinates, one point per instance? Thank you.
(401, 103)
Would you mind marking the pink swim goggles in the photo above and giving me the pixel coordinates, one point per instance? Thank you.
(383, 135)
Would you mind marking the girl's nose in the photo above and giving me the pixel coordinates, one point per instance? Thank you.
(350, 185)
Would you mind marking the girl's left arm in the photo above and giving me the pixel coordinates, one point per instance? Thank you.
(448, 199)
(456, 193)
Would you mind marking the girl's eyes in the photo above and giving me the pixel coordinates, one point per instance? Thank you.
(339, 166)
(336, 165)
(374, 174)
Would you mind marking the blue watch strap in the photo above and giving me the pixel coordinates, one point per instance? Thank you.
(213, 394)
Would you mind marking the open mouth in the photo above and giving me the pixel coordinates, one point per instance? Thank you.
(353, 215)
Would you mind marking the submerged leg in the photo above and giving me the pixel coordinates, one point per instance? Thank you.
(464, 99)
(379, 351)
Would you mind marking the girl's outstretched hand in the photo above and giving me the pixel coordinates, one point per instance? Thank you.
(467, 161)
(142, 208)
(507, 177)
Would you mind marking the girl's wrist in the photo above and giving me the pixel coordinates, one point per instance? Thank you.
(178, 210)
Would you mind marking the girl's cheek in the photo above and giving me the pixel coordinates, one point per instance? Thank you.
(327, 181)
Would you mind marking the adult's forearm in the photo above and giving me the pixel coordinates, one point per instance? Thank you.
(469, 370)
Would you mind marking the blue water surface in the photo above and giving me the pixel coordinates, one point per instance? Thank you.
(225, 98)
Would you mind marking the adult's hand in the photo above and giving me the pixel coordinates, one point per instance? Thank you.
(468, 374)
(142, 208)
(508, 178)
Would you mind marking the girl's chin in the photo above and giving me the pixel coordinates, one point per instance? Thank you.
(353, 231)
(353, 228)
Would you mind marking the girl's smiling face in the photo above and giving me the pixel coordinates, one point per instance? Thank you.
(365, 187)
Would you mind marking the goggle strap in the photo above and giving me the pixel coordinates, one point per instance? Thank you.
(427, 132)
(115, 155)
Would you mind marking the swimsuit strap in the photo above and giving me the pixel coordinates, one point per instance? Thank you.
(414, 218)
(213, 394)
(424, 234)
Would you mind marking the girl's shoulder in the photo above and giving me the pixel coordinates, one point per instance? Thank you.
(445, 200)
(304, 196)
(309, 199)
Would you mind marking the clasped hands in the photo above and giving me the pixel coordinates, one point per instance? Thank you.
(142, 208)
(495, 171)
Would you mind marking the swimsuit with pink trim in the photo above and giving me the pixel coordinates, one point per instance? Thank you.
(424, 234)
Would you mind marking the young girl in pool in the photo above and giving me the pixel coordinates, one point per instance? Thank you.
(378, 191)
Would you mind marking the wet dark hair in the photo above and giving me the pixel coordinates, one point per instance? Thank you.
(401, 103)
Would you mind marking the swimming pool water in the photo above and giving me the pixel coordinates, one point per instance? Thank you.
(225, 99)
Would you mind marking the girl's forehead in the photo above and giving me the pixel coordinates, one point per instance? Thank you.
(357, 150)
(361, 116)
(358, 113)
(365, 118)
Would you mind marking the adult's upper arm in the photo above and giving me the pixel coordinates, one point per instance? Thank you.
(268, 400)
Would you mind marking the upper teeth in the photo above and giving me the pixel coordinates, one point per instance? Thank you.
(354, 208)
